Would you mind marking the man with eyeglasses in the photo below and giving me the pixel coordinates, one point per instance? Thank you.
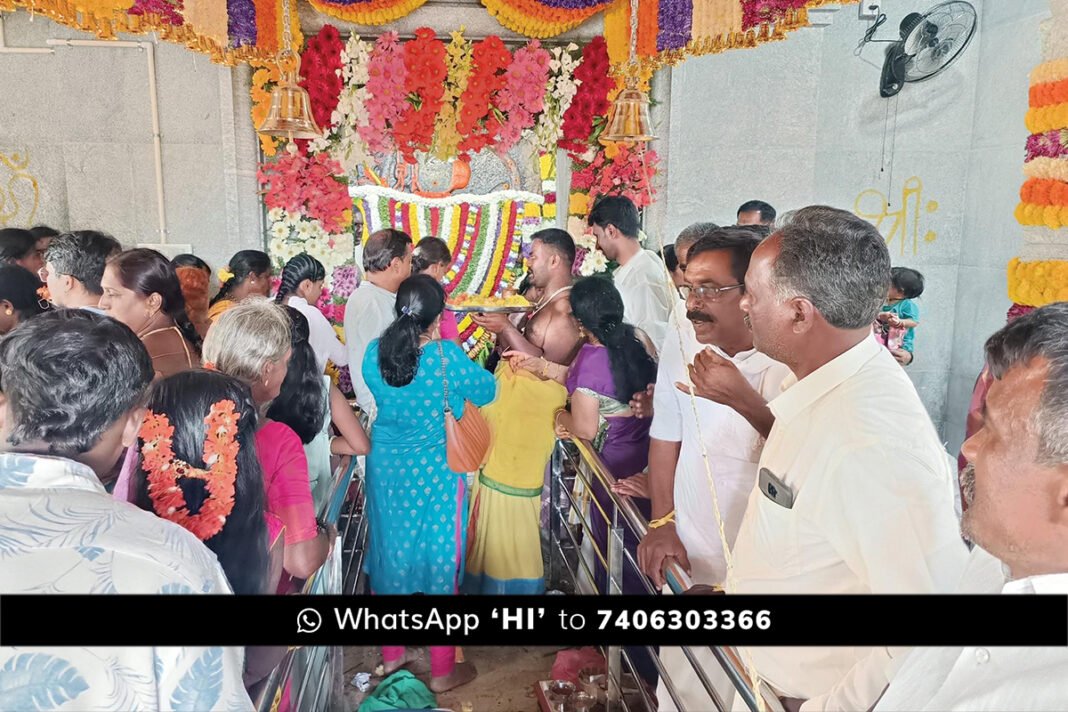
(734, 384)
(74, 265)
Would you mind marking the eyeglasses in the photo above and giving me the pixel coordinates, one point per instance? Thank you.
(705, 292)
(43, 274)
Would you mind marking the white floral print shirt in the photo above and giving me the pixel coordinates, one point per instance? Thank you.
(61, 532)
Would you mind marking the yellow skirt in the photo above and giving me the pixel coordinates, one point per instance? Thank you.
(504, 533)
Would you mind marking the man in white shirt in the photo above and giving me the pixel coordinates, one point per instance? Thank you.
(678, 480)
(1017, 487)
(387, 261)
(73, 389)
(854, 491)
(641, 278)
(74, 266)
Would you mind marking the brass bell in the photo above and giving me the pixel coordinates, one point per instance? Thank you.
(290, 115)
(629, 122)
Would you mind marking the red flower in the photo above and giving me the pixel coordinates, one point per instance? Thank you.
(320, 67)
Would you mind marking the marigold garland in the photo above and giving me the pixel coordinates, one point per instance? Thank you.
(1047, 118)
(374, 12)
(165, 471)
(1051, 71)
(1038, 283)
(539, 19)
(1044, 191)
(1052, 216)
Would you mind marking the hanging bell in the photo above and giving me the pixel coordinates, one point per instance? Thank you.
(290, 115)
(629, 122)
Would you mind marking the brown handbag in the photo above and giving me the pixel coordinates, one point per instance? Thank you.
(467, 440)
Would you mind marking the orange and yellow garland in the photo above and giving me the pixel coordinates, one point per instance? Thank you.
(1044, 195)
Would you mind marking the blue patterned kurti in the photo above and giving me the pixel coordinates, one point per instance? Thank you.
(416, 505)
(60, 532)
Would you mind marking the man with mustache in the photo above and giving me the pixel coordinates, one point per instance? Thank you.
(730, 429)
(1017, 489)
(855, 490)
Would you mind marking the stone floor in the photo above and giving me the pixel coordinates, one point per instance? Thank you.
(505, 682)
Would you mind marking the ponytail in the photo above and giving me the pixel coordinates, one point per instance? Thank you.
(242, 264)
(300, 268)
(420, 300)
(596, 304)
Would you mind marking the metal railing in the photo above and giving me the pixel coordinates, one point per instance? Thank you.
(576, 462)
(315, 674)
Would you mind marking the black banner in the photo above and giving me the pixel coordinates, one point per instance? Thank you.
(534, 620)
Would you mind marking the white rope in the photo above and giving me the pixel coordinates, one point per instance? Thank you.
(720, 526)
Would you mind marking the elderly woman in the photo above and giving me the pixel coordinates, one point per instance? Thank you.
(251, 342)
(142, 291)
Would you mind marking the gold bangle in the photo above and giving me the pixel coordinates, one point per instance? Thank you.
(668, 518)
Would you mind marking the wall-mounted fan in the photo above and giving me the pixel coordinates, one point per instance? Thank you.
(929, 43)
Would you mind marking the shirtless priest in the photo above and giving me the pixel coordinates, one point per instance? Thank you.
(504, 544)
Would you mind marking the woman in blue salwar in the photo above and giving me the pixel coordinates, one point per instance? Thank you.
(416, 505)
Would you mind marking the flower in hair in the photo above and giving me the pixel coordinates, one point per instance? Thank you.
(165, 471)
(225, 275)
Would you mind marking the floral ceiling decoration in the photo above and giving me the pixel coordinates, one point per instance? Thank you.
(669, 31)
(229, 31)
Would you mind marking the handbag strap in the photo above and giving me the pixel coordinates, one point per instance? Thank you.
(444, 377)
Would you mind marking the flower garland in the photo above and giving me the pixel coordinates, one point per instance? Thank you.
(480, 120)
(386, 97)
(320, 67)
(367, 12)
(1047, 118)
(292, 233)
(341, 139)
(164, 470)
(307, 185)
(169, 12)
(458, 61)
(625, 173)
(591, 100)
(560, 92)
(424, 81)
(523, 94)
(589, 260)
(1052, 71)
(264, 80)
(543, 18)
(758, 12)
(1038, 283)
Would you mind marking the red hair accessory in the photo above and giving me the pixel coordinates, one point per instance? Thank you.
(210, 366)
(164, 470)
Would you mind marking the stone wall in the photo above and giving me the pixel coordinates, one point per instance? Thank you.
(801, 121)
(82, 117)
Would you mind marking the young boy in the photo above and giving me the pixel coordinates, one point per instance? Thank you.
(900, 316)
